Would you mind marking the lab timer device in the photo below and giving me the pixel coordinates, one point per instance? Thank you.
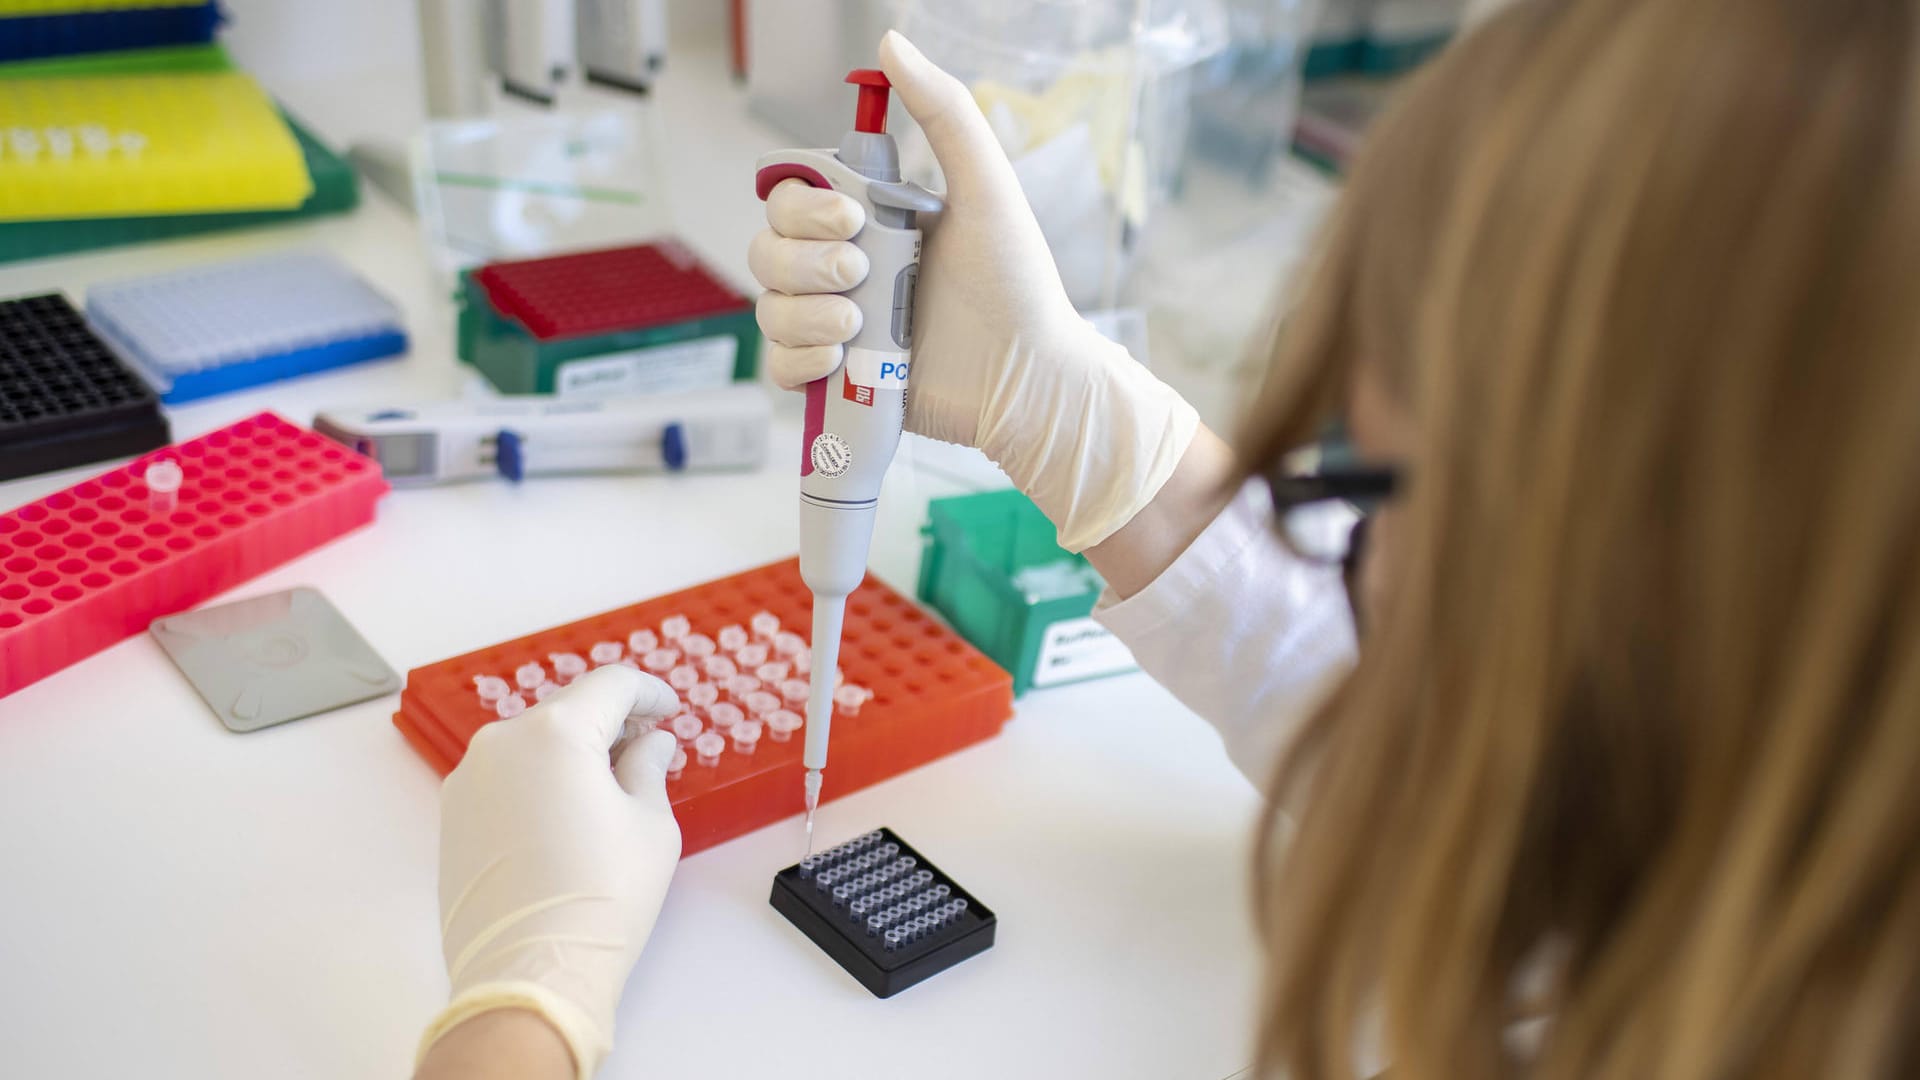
(854, 415)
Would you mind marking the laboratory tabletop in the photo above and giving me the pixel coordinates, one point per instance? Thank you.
(178, 900)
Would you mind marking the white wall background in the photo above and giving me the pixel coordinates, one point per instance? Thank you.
(352, 67)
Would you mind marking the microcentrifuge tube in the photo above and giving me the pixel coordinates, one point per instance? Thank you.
(702, 695)
(760, 703)
(605, 652)
(163, 486)
(794, 691)
(773, 671)
(510, 706)
(848, 699)
(527, 676)
(642, 642)
(731, 638)
(751, 656)
(764, 624)
(788, 643)
(685, 727)
(567, 666)
(782, 723)
(697, 646)
(675, 627)
(678, 765)
(545, 690)
(660, 661)
(745, 735)
(491, 688)
(707, 748)
(725, 716)
(803, 662)
(683, 678)
(719, 668)
(740, 686)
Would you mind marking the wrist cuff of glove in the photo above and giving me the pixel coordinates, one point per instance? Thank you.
(1111, 439)
(584, 1038)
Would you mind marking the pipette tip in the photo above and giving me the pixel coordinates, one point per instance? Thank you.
(813, 803)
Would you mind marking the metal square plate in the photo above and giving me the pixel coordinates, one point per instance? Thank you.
(274, 658)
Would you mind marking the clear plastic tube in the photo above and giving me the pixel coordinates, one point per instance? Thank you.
(764, 625)
(683, 678)
(678, 765)
(719, 668)
(529, 675)
(702, 695)
(660, 661)
(163, 479)
(567, 666)
(760, 703)
(510, 706)
(697, 646)
(782, 723)
(491, 688)
(606, 652)
(675, 627)
(642, 642)
(545, 690)
(788, 644)
(732, 638)
(685, 727)
(740, 686)
(745, 736)
(848, 699)
(794, 692)
(773, 671)
(751, 656)
(724, 716)
(708, 748)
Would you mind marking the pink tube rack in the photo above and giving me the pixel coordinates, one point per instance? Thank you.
(85, 567)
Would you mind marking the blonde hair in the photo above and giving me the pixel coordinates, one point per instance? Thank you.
(1645, 696)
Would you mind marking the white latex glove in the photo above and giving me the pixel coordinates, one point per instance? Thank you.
(552, 864)
(1001, 360)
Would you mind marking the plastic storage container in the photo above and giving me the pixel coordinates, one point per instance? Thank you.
(65, 398)
(29, 34)
(992, 567)
(927, 694)
(1090, 100)
(213, 329)
(649, 318)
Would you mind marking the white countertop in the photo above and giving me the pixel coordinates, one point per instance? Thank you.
(179, 901)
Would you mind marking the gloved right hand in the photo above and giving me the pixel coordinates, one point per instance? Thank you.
(1001, 360)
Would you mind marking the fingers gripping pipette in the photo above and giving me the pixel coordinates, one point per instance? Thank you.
(853, 416)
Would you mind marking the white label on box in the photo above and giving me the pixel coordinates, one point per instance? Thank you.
(882, 369)
(697, 364)
(1074, 649)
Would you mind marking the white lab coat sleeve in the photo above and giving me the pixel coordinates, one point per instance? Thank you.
(1241, 630)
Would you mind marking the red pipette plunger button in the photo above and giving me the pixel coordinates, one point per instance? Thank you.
(870, 113)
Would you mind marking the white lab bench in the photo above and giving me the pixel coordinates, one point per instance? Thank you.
(180, 901)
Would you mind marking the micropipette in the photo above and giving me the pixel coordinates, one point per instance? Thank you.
(534, 435)
(854, 415)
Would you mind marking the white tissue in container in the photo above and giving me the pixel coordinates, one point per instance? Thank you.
(221, 327)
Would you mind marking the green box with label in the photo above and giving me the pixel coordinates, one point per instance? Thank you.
(688, 355)
(991, 565)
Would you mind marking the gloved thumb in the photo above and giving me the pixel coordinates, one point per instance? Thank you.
(956, 130)
(642, 767)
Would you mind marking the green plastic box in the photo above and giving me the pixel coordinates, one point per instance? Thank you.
(676, 356)
(981, 553)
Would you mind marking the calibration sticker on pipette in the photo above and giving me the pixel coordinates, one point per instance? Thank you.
(832, 457)
(881, 369)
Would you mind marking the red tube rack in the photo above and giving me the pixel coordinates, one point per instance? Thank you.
(598, 292)
(85, 567)
(933, 694)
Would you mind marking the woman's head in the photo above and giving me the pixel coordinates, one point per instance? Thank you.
(1635, 281)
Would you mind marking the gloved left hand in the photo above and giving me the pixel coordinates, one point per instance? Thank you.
(553, 866)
